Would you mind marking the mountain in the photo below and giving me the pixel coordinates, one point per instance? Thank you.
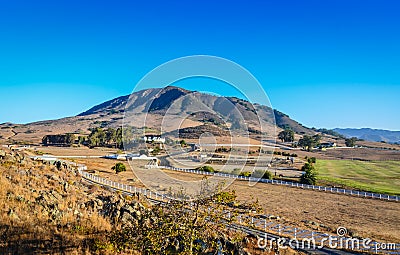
(150, 107)
(368, 134)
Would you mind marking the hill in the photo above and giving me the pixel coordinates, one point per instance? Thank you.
(368, 134)
(150, 106)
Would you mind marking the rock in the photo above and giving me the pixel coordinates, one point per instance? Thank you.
(20, 198)
(65, 186)
(138, 214)
(314, 223)
(53, 177)
(12, 214)
(57, 196)
(99, 203)
(9, 158)
(273, 217)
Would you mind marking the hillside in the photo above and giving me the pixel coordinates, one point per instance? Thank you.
(368, 134)
(150, 106)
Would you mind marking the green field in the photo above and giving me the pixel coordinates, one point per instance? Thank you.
(373, 176)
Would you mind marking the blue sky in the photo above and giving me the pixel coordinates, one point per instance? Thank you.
(325, 63)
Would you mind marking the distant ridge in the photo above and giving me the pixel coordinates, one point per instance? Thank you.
(369, 134)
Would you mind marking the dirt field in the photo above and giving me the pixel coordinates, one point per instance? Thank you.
(375, 219)
(75, 151)
(367, 217)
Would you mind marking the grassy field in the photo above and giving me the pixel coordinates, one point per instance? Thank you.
(373, 176)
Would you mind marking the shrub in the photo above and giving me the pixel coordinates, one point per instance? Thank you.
(225, 197)
(208, 169)
(119, 167)
(245, 174)
(310, 174)
(268, 175)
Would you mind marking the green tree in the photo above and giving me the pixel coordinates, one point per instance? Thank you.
(81, 139)
(268, 175)
(351, 142)
(110, 137)
(310, 174)
(118, 138)
(155, 151)
(286, 135)
(312, 160)
(97, 137)
(62, 139)
(119, 167)
(69, 139)
(309, 142)
(182, 143)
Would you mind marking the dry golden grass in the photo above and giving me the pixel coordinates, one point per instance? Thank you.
(27, 224)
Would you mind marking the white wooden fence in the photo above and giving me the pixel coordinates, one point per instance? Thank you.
(292, 184)
(257, 223)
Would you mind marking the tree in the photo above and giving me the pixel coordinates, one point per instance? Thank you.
(69, 139)
(309, 142)
(310, 174)
(156, 151)
(97, 137)
(111, 135)
(119, 167)
(312, 160)
(81, 139)
(62, 139)
(351, 142)
(268, 175)
(286, 135)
